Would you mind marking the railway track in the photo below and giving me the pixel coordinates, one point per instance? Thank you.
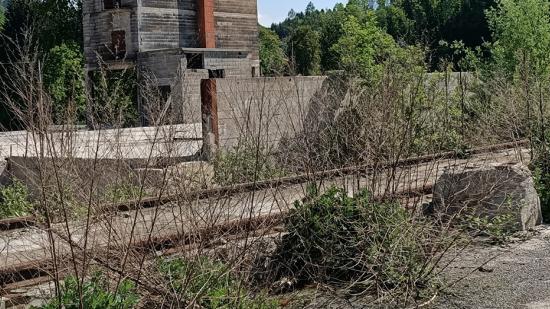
(149, 202)
(159, 225)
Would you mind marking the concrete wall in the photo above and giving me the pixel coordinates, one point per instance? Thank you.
(168, 24)
(109, 157)
(241, 110)
(235, 63)
(237, 25)
(186, 97)
(98, 24)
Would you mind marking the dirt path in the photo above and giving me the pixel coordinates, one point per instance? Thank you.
(516, 276)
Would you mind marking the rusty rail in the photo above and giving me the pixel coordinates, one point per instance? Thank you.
(150, 202)
(169, 243)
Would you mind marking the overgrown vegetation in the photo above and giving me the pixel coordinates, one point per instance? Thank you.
(402, 94)
(541, 171)
(95, 293)
(118, 193)
(64, 78)
(209, 284)
(245, 164)
(115, 94)
(497, 228)
(15, 200)
(358, 244)
(272, 54)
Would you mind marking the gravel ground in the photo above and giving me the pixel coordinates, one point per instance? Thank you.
(515, 276)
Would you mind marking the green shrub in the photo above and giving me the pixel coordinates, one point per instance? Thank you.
(498, 228)
(64, 80)
(210, 284)
(95, 295)
(15, 201)
(62, 203)
(356, 242)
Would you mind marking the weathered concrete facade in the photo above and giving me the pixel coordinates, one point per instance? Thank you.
(241, 111)
(169, 39)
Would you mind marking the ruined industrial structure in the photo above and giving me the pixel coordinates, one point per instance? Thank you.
(179, 42)
(204, 57)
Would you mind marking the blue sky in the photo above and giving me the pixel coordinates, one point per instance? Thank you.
(270, 11)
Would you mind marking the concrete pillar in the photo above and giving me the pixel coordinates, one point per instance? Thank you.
(209, 107)
(207, 26)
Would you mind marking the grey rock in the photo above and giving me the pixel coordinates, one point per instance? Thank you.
(489, 191)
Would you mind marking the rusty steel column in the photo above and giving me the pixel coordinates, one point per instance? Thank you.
(209, 108)
(207, 26)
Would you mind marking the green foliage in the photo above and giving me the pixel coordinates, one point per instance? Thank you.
(53, 22)
(245, 164)
(62, 204)
(115, 94)
(304, 49)
(521, 34)
(272, 55)
(122, 192)
(58, 22)
(497, 228)
(210, 284)
(412, 22)
(95, 295)
(14, 200)
(541, 173)
(364, 46)
(355, 241)
(64, 80)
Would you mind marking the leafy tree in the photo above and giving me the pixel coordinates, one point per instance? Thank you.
(272, 55)
(19, 16)
(53, 22)
(429, 22)
(310, 9)
(331, 32)
(305, 49)
(521, 31)
(59, 21)
(64, 80)
(364, 46)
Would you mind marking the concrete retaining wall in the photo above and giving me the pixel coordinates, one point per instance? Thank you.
(242, 110)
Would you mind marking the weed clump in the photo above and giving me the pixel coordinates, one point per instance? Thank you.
(95, 295)
(497, 228)
(122, 192)
(356, 243)
(245, 164)
(15, 200)
(209, 284)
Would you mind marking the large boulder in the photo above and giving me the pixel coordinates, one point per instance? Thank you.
(490, 191)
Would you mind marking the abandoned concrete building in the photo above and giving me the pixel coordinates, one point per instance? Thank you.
(179, 42)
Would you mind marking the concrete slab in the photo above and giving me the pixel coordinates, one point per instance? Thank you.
(131, 143)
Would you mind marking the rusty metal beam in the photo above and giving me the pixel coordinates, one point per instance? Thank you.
(207, 27)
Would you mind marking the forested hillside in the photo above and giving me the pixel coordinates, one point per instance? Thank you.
(315, 41)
